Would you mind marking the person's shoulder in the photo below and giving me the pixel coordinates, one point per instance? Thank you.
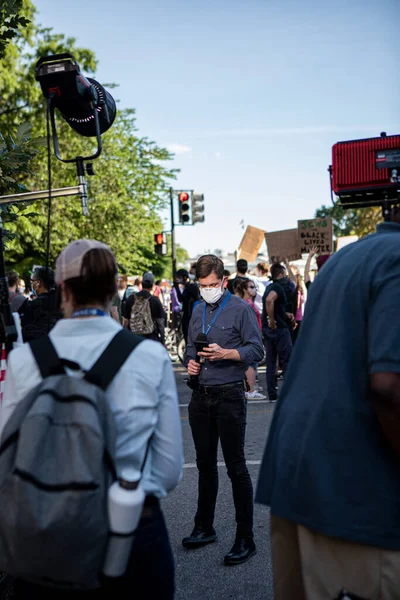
(155, 301)
(148, 351)
(239, 304)
(130, 300)
(20, 357)
(197, 308)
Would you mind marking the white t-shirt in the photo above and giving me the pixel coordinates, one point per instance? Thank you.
(142, 396)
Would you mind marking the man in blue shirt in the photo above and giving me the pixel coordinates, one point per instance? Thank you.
(331, 468)
(217, 410)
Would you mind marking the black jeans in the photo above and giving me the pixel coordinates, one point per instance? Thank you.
(150, 572)
(278, 343)
(221, 415)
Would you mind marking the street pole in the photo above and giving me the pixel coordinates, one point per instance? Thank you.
(173, 248)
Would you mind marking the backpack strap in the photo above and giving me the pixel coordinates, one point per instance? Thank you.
(112, 359)
(46, 357)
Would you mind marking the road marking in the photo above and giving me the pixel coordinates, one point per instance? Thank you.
(221, 464)
(248, 402)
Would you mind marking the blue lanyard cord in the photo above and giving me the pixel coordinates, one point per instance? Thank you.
(219, 311)
(90, 312)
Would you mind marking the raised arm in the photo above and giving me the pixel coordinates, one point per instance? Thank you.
(311, 255)
(292, 276)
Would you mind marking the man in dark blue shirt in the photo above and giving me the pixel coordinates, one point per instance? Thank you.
(276, 322)
(217, 410)
(331, 468)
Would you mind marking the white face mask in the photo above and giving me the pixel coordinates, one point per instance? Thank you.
(192, 277)
(212, 295)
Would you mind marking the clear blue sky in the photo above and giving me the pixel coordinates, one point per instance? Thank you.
(251, 93)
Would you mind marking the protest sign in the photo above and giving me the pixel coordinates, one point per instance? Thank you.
(315, 232)
(250, 244)
(282, 244)
(341, 242)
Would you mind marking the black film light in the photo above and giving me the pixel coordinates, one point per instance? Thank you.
(84, 104)
(78, 98)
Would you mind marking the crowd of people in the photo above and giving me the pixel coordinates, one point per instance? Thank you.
(330, 469)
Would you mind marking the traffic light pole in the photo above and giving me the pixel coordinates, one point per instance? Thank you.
(173, 247)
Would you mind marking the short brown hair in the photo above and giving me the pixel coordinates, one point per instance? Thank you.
(276, 270)
(207, 264)
(240, 286)
(263, 268)
(98, 282)
(13, 278)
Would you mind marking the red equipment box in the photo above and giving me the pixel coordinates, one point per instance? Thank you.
(366, 170)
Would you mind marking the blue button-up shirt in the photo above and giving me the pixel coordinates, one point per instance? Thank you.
(235, 328)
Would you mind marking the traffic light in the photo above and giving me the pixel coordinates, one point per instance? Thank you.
(197, 208)
(160, 246)
(184, 207)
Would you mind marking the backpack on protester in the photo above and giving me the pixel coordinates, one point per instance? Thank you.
(56, 465)
(141, 321)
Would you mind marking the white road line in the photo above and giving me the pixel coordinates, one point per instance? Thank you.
(221, 464)
(248, 402)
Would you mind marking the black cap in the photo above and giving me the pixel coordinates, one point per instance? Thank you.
(182, 273)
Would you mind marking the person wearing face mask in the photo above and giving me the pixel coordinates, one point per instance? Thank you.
(39, 315)
(217, 410)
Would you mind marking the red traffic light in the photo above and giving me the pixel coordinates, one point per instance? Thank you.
(159, 238)
(183, 197)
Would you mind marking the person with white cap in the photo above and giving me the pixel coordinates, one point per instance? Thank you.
(142, 397)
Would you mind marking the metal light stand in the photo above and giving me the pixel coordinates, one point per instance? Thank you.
(8, 331)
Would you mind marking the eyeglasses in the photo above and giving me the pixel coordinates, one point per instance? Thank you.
(251, 287)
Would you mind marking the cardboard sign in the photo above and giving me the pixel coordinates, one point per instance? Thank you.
(341, 242)
(315, 232)
(282, 244)
(250, 244)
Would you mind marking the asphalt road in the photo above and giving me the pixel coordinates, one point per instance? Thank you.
(201, 574)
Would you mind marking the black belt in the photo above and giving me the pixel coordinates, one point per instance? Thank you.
(212, 389)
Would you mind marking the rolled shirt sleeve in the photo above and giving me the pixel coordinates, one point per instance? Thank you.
(252, 350)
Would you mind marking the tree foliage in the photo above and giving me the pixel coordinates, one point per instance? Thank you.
(12, 21)
(351, 221)
(131, 181)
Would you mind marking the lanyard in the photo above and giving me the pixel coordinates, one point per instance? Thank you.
(90, 312)
(221, 308)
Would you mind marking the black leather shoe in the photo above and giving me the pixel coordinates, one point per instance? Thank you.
(242, 550)
(199, 537)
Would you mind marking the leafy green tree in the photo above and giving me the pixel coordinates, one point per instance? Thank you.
(351, 221)
(131, 182)
(12, 21)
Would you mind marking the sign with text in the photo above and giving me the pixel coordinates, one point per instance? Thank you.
(282, 244)
(341, 242)
(250, 244)
(315, 232)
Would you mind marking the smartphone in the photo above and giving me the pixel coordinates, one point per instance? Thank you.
(200, 346)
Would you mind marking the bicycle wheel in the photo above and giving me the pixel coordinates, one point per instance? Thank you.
(182, 350)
